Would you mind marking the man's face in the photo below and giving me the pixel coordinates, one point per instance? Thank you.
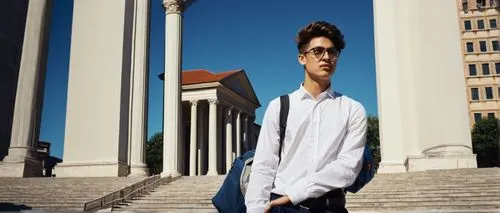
(319, 58)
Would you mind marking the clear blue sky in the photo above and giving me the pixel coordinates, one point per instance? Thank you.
(257, 36)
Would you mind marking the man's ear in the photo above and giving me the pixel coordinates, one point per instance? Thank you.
(302, 59)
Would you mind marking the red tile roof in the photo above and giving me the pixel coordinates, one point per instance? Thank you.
(202, 76)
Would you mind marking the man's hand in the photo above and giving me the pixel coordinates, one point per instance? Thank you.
(278, 202)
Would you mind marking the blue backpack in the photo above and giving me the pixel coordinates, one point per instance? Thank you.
(231, 196)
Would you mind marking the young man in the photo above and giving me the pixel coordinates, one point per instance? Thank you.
(324, 140)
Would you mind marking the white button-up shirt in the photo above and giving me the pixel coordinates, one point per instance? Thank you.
(322, 150)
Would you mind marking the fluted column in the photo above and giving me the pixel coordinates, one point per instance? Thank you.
(193, 137)
(229, 138)
(139, 107)
(172, 85)
(29, 96)
(245, 135)
(212, 137)
(238, 134)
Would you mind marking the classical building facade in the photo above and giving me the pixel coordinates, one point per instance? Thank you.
(218, 114)
(480, 35)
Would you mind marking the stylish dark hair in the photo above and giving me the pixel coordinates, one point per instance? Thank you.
(320, 29)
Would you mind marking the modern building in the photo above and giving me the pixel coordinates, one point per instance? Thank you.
(481, 54)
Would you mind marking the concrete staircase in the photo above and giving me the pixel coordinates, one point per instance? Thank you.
(187, 194)
(464, 190)
(56, 194)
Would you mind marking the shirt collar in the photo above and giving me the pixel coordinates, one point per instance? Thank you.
(303, 93)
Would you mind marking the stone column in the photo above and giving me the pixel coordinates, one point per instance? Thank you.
(238, 134)
(172, 123)
(416, 85)
(212, 138)
(97, 132)
(22, 159)
(246, 137)
(193, 137)
(229, 138)
(139, 106)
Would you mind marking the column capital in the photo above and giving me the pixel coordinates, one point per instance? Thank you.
(213, 101)
(194, 102)
(176, 6)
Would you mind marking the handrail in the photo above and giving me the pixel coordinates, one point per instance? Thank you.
(129, 192)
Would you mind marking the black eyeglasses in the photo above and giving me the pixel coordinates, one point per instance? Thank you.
(319, 52)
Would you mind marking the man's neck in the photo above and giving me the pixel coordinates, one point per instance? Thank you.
(315, 87)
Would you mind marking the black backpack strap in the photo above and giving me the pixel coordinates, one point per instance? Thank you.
(285, 105)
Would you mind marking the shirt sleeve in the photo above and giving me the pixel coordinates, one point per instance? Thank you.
(341, 172)
(265, 161)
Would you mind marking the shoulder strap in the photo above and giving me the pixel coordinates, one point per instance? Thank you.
(285, 105)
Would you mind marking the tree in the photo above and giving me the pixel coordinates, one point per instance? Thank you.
(373, 138)
(486, 142)
(154, 154)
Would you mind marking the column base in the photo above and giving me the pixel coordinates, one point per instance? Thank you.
(388, 167)
(172, 174)
(443, 157)
(212, 173)
(424, 163)
(92, 169)
(139, 171)
(29, 168)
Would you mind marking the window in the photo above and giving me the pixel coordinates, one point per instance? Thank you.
(486, 69)
(474, 94)
(467, 25)
(491, 115)
(480, 24)
(477, 117)
(493, 23)
(482, 46)
(472, 70)
(497, 68)
(493, 3)
(465, 5)
(470, 47)
(494, 45)
(489, 92)
(480, 4)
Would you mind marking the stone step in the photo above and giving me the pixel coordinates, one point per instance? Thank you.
(44, 205)
(425, 205)
(169, 210)
(59, 195)
(183, 194)
(174, 201)
(431, 189)
(170, 206)
(44, 199)
(494, 199)
(389, 181)
(429, 195)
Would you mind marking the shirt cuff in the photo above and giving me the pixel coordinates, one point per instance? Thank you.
(255, 210)
(298, 192)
